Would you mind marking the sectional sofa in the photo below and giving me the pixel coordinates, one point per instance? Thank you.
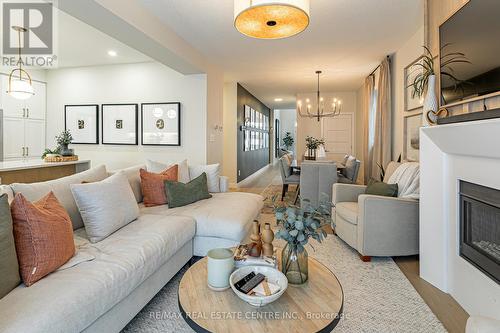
(107, 283)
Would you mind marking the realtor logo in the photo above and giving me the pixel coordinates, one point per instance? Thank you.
(37, 18)
(29, 27)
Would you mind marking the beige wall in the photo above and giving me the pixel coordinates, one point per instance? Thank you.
(405, 55)
(230, 122)
(311, 127)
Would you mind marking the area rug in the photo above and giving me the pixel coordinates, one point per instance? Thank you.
(377, 296)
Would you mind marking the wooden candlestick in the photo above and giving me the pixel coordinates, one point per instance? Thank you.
(267, 241)
(256, 246)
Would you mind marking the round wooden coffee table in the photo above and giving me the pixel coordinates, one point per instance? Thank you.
(315, 306)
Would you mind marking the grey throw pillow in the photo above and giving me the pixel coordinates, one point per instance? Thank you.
(9, 267)
(180, 194)
(105, 206)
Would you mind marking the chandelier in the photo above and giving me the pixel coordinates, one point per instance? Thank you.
(266, 19)
(332, 109)
(20, 87)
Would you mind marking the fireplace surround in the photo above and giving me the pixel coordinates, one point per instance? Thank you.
(480, 227)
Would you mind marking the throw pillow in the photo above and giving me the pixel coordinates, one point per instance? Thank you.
(153, 188)
(43, 235)
(9, 267)
(106, 206)
(157, 167)
(181, 194)
(376, 187)
(60, 187)
(134, 179)
(213, 173)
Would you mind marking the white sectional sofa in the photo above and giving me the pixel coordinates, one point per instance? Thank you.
(107, 283)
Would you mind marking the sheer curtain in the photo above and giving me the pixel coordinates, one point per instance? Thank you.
(382, 145)
(369, 105)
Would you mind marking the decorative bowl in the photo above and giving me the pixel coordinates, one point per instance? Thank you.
(273, 276)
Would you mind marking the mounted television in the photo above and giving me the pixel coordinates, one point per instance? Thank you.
(473, 31)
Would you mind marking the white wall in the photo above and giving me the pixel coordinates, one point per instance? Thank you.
(230, 121)
(131, 83)
(409, 52)
(288, 119)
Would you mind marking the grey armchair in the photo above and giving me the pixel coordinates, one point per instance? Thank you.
(287, 177)
(375, 225)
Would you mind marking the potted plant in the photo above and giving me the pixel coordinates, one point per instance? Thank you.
(312, 144)
(425, 81)
(296, 226)
(288, 140)
(63, 140)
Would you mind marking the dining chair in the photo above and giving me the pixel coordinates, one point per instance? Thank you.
(287, 177)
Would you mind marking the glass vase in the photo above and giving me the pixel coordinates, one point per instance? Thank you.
(294, 265)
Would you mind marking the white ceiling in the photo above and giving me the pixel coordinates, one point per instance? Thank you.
(346, 39)
(79, 44)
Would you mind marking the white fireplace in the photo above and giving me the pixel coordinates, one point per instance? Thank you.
(468, 152)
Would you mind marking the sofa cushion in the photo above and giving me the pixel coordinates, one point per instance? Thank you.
(225, 215)
(134, 179)
(9, 266)
(180, 194)
(69, 300)
(62, 191)
(348, 211)
(43, 234)
(213, 173)
(106, 206)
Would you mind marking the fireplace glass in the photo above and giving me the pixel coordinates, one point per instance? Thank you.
(480, 227)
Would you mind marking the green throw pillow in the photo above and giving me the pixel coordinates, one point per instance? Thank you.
(180, 194)
(9, 267)
(376, 187)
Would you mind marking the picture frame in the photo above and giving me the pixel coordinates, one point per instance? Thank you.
(119, 124)
(246, 116)
(83, 123)
(411, 148)
(161, 124)
(412, 103)
(252, 117)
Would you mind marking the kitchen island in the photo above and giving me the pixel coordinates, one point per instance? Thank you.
(37, 170)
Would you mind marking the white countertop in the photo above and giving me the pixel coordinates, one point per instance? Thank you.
(34, 164)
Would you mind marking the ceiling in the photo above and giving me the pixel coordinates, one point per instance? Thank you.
(346, 39)
(79, 44)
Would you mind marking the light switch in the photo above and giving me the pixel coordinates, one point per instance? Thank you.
(212, 138)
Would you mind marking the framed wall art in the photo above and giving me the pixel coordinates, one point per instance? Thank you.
(119, 124)
(410, 72)
(161, 124)
(83, 123)
(411, 149)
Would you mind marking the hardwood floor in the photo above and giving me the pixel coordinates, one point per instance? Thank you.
(448, 311)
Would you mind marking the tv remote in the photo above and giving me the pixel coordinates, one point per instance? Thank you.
(254, 282)
(243, 281)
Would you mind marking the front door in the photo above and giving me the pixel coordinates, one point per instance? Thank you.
(338, 133)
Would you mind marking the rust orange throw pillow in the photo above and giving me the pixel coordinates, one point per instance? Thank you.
(43, 234)
(153, 186)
